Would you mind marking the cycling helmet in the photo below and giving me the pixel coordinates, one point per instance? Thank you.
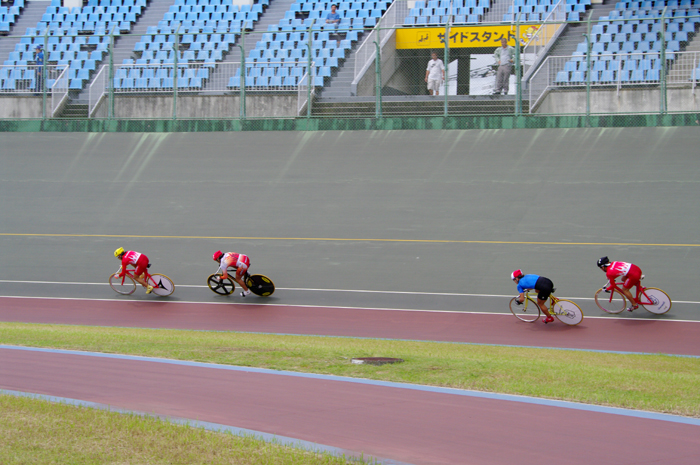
(603, 261)
(217, 255)
(118, 252)
(516, 274)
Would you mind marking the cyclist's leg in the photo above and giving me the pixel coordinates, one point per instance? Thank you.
(140, 272)
(634, 275)
(241, 271)
(140, 279)
(544, 287)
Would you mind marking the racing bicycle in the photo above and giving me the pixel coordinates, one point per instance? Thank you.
(564, 310)
(258, 284)
(126, 285)
(610, 299)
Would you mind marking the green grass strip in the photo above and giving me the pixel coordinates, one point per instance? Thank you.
(34, 431)
(657, 383)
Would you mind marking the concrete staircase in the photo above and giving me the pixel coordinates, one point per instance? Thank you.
(573, 35)
(124, 44)
(271, 16)
(340, 84)
(31, 15)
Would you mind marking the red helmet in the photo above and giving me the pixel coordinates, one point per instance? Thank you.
(516, 274)
(217, 255)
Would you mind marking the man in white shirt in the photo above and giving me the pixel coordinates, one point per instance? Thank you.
(434, 74)
(504, 56)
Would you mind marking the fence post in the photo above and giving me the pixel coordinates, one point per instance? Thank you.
(518, 74)
(111, 74)
(662, 86)
(589, 46)
(308, 73)
(241, 103)
(44, 97)
(447, 64)
(176, 46)
(378, 80)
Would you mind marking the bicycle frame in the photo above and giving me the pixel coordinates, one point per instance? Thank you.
(552, 300)
(641, 291)
(130, 273)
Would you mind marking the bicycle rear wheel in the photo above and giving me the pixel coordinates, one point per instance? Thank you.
(221, 287)
(162, 285)
(660, 301)
(610, 302)
(124, 286)
(568, 312)
(260, 285)
(528, 312)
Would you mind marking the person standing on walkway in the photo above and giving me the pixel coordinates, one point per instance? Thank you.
(504, 56)
(434, 74)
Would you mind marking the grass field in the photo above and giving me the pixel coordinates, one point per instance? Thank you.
(656, 383)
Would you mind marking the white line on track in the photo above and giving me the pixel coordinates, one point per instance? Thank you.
(357, 291)
(307, 306)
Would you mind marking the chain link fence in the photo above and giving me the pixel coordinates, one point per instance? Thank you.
(401, 58)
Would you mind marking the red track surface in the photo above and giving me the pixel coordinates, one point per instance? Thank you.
(623, 334)
(406, 425)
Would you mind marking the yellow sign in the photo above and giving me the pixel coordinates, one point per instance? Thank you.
(461, 37)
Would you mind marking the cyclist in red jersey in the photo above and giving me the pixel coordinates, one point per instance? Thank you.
(138, 261)
(631, 275)
(239, 261)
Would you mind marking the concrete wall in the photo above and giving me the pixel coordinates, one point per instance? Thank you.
(559, 102)
(21, 107)
(201, 106)
(390, 62)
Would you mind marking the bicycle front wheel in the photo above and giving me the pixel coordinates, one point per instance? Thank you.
(610, 302)
(568, 312)
(660, 302)
(162, 285)
(220, 286)
(124, 286)
(528, 312)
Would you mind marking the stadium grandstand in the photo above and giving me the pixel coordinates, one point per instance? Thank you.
(103, 51)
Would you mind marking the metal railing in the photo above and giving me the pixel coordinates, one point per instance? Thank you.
(59, 91)
(98, 89)
(365, 54)
(545, 36)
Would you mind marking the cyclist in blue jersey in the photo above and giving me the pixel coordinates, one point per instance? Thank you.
(542, 285)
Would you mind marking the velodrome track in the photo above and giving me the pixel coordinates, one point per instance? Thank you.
(417, 220)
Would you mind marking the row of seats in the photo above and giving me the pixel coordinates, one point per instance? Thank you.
(307, 7)
(455, 3)
(210, 28)
(215, 16)
(630, 46)
(159, 84)
(283, 48)
(217, 8)
(609, 77)
(617, 46)
(79, 55)
(658, 4)
(8, 16)
(645, 61)
(269, 83)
